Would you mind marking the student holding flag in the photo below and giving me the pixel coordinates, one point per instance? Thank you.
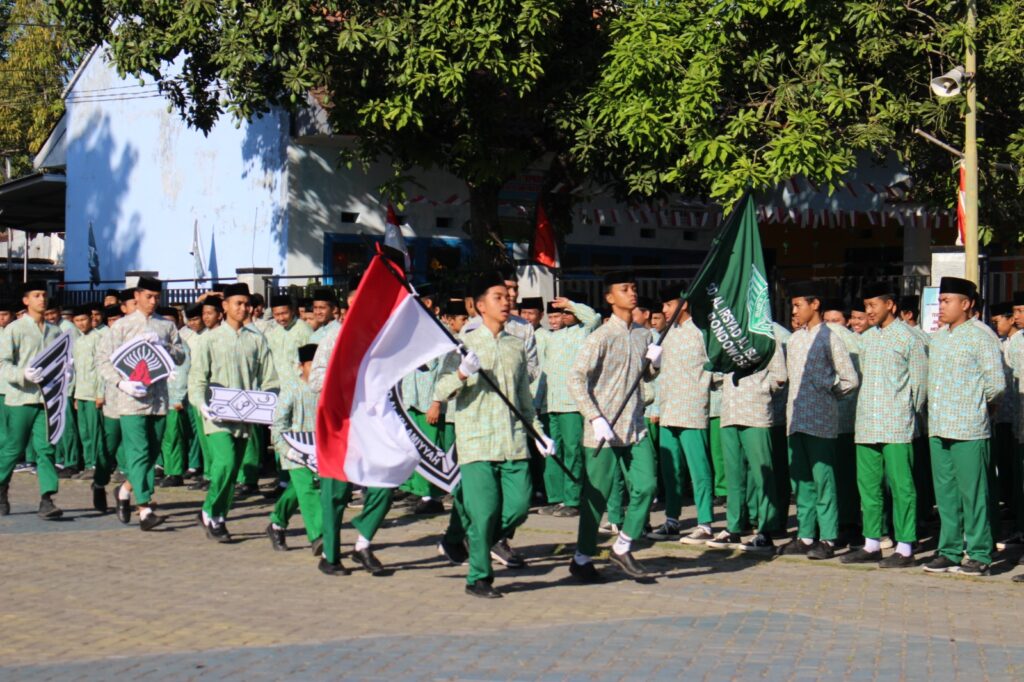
(495, 491)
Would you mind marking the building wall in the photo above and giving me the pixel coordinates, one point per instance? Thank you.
(142, 178)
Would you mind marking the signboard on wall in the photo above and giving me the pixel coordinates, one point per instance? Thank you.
(929, 313)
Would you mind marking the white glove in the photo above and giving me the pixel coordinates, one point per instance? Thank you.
(545, 445)
(172, 377)
(34, 374)
(602, 430)
(470, 364)
(149, 336)
(135, 389)
(654, 355)
(204, 410)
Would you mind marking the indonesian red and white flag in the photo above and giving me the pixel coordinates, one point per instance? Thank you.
(360, 437)
(394, 238)
(545, 249)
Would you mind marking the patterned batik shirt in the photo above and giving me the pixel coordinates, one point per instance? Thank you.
(683, 383)
(561, 352)
(604, 372)
(284, 346)
(295, 411)
(418, 386)
(331, 328)
(894, 384)
(848, 403)
(539, 385)
(1006, 410)
(234, 359)
(965, 376)
(177, 385)
(20, 343)
(88, 385)
(121, 332)
(748, 402)
(820, 372)
(781, 397)
(1014, 354)
(485, 428)
(522, 330)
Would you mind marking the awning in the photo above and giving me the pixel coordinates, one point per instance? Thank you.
(34, 203)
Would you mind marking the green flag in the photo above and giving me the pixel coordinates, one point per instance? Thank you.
(729, 297)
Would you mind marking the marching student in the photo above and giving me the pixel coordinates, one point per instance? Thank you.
(576, 322)
(20, 343)
(609, 364)
(234, 355)
(965, 377)
(820, 372)
(894, 383)
(683, 396)
(286, 336)
(178, 437)
(296, 411)
(140, 408)
(324, 307)
(87, 397)
(211, 308)
(531, 309)
(495, 491)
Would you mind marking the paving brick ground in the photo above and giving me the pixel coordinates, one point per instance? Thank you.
(88, 598)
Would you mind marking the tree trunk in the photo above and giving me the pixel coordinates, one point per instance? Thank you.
(484, 230)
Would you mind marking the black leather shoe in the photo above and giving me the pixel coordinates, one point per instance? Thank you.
(123, 508)
(151, 521)
(172, 482)
(48, 510)
(821, 551)
(897, 560)
(629, 565)
(277, 538)
(67, 472)
(506, 556)
(218, 532)
(483, 590)
(454, 552)
(861, 556)
(585, 573)
(366, 559)
(427, 507)
(201, 484)
(5, 504)
(794, 547)
(332, 569)
(318, 547)
(99, 499)
(246, 490)
(564, 512)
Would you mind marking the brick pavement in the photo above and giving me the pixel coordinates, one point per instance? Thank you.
(89, 598)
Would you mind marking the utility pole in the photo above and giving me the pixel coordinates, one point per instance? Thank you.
(970, 160)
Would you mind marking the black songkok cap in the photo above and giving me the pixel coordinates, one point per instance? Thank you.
(955, 285)
(236, 289)
(532, 303)
(645, 303)
(125, 295)
(552, 309)
(326, 295)
(112, 311)
(81, 310)
(1004, 309)
(1018, 298)
(877, 290)
(307, 352)
(912, 303)
(455, 307)
(833, 304)
(194, 311)
(619, 277)
(670, 293)
(484, 281)
(215, 302)
(278, 301)
(150, 284)
(858, 305)
(805, 289)
(32, 285)
(167, 311)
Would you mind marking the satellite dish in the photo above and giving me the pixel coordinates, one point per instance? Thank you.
(949, 83)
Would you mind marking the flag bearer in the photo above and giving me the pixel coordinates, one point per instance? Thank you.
(296, 411)
(606, 369)
(87, 398)
(894, 369)
(965, 377)
(236, 356)
(335, 494)
(747, 449)
(820, 372)
(495, 490)
(20, 343)
(140, 409)
(683, 395)
(577, 321)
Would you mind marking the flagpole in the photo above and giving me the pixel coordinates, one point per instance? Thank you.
(486, 377)
(640, 377)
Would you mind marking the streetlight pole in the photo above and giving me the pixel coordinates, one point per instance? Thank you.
(970, 159)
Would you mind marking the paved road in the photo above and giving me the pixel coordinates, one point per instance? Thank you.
(88, 598)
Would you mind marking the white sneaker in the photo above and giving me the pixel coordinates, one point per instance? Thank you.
(698, 536)
(725, 540)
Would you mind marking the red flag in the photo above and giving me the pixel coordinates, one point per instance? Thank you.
(360, 436)
(961, 207)
(544, 249)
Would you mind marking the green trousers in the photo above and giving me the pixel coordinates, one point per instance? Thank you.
(892, 464)
(847, 495)
(334, 495)
(495, 500)
(715, 447)
(112, 451)
(90, 431)
(141, 435)
(25, 424)
(226, 453)
(173, 446)
(750, 479)
(417, 485)
(204, 448)
(566, 429)
(812, 470)
(618, 498)
(960, 475)
(681, 450)
(638, 466)
(69, 447)
(249, 471)
(302, 496)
